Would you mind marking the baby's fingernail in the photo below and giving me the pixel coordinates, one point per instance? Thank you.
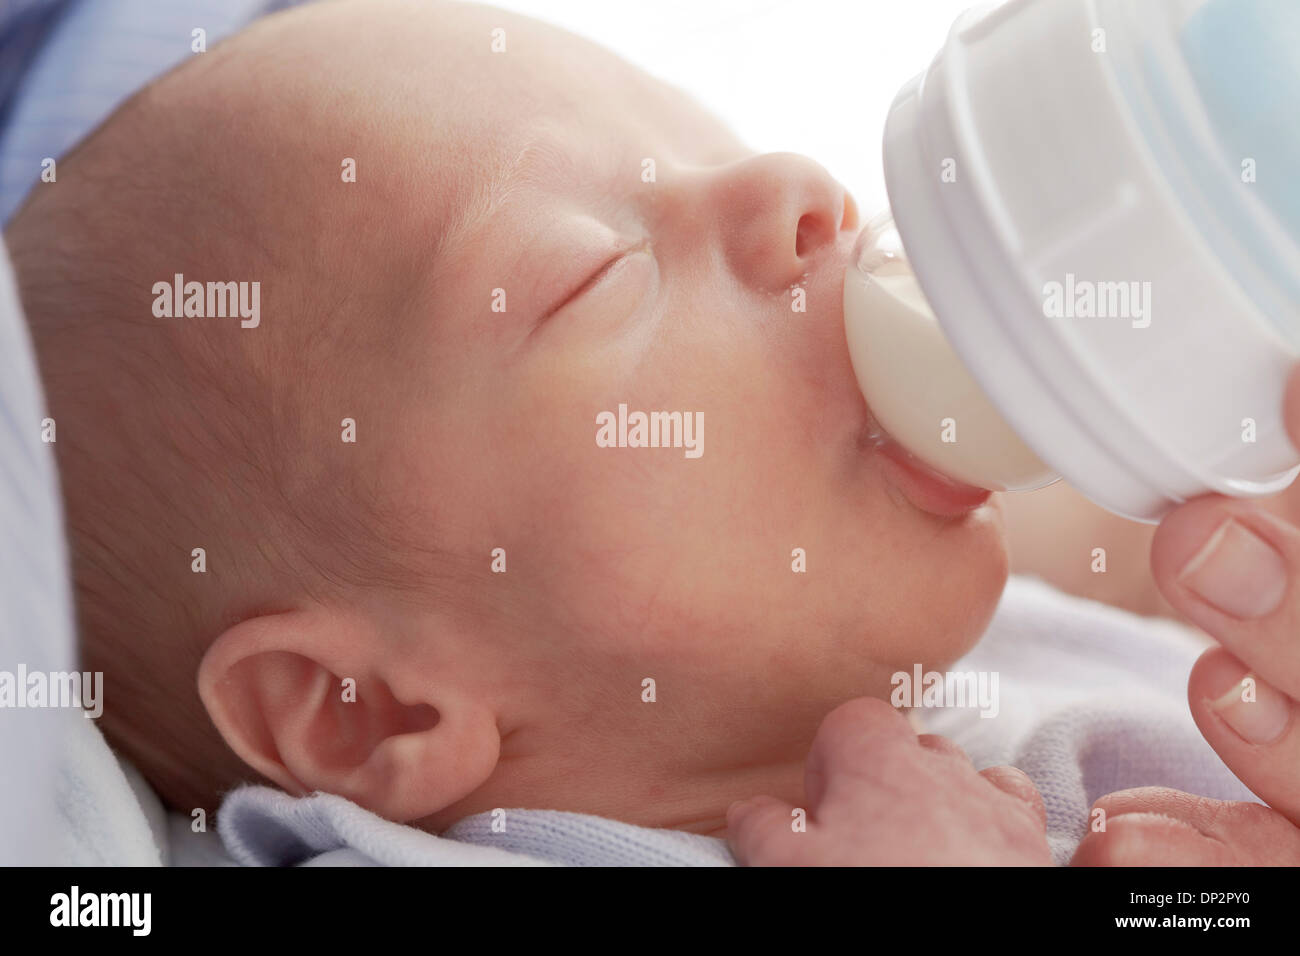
(734, 805)
(1237, 571)
(1258, 712)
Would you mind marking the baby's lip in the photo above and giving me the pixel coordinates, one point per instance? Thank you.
(928, 489)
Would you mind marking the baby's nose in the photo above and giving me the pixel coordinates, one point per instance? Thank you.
(779, 213)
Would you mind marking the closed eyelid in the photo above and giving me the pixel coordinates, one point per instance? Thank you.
(594, 277)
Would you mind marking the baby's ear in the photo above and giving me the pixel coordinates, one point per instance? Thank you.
(306, 698)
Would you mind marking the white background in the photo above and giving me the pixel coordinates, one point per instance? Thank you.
(810, 76)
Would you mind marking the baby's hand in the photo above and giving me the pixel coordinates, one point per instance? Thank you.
(879, 795)
(1155, 826)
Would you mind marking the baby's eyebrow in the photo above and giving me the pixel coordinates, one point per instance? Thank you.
(542, 162)
(539, 162)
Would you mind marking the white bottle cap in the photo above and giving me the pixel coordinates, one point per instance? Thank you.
(1095, 253)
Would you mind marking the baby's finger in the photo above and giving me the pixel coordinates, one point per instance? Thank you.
(759, 832)
(1291, 406)
(1232, 569)
(847, 751)
(1200, 812)
(1251, 725)
(1150, 839)
(1236, 832)
(1016, 782)
(942, 745)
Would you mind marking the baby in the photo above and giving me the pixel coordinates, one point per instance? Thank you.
(371, 544)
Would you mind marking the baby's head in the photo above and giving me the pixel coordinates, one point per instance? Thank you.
(465, 607)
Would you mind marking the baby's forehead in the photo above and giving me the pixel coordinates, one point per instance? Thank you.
(441, 121)
(537, 84)
(530, 132)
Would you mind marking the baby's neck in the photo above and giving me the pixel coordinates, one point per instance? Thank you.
(640, 794)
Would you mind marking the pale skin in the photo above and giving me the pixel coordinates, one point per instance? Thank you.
(870, 778)
(526, 688)
(622, 564)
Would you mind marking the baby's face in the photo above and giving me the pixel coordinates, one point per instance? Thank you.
(556, 236)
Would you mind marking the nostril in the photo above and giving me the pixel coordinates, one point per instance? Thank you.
(805, 235)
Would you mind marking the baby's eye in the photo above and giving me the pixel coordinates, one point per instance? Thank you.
(614, 287)
(591, 280)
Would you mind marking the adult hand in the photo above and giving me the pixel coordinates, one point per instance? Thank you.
(1232, 568)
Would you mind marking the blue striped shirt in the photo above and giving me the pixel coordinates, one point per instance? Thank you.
(65, 65)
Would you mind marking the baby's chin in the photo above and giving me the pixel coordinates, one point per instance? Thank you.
(951, 607)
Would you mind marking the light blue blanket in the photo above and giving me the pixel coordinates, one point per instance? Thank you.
(65, 65)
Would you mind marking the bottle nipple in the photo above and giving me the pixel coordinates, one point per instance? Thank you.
(915, 385)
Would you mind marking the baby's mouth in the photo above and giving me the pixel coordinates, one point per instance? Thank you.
(913, 380)
(930, 490)
(927, 488)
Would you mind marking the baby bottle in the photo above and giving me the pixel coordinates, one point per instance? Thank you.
(1091, 264)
